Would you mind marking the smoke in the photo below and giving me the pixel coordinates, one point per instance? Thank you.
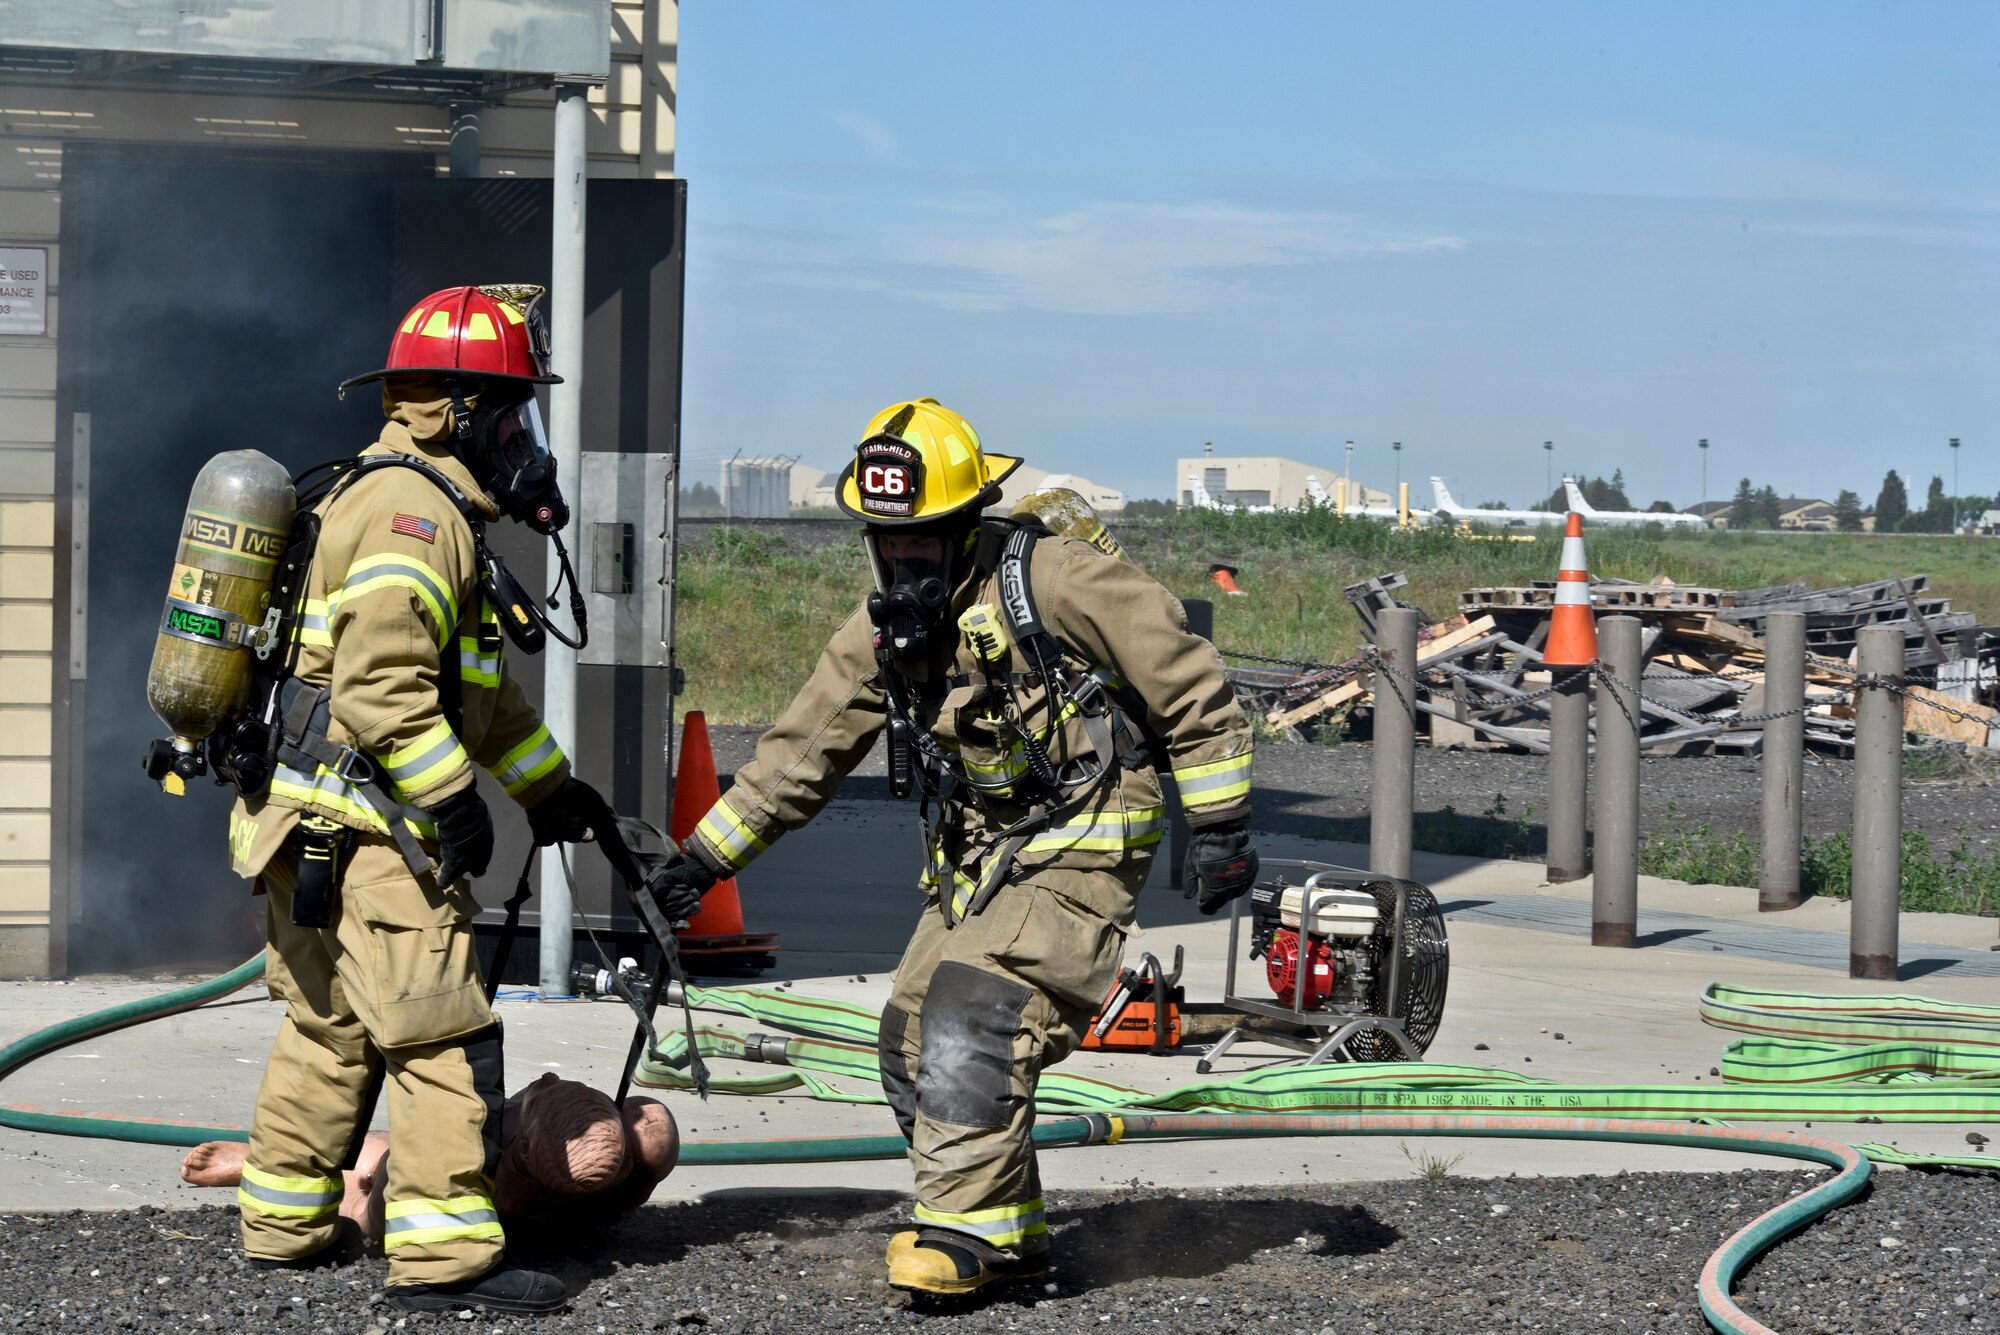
(212, 301)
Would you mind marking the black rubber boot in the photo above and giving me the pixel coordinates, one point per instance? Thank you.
(504, 1288)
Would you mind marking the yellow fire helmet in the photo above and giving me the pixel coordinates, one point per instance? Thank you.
(919, 462)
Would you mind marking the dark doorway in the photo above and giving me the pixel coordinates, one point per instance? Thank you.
(212, 300)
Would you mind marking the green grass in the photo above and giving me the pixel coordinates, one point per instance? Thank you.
(755, 611)
(1493, 833)
(1961, 879)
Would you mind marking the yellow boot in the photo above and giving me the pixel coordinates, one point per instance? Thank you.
(938, 1262)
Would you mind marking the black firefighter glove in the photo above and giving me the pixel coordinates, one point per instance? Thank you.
(1220, 864)
(572, 814)
(465, 836)
(678, 886)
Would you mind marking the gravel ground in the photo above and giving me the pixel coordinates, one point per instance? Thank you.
(1322, 791)
(1592, 1253)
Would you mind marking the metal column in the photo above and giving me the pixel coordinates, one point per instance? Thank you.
(566, 442)
(1878, 808)
(1569, 773)
(1614, 882)
(1784, 759)
(1393, 800)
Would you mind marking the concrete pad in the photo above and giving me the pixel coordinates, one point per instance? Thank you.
(841, 894)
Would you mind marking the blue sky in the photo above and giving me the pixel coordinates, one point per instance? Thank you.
(1110, 232)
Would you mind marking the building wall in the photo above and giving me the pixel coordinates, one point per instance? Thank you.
(631, 134)
(28, 217)
(1266, 480)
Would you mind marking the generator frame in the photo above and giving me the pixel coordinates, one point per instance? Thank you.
(1333, 1027)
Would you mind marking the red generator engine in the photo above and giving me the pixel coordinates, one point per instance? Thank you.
(1356, 961)
(1306, 967)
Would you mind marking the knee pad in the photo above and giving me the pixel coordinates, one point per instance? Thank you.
(896, 1082)
(964, 1071)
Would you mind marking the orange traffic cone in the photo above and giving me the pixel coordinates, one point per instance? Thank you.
(715, 935)
(1572, 629)
(1225, 579)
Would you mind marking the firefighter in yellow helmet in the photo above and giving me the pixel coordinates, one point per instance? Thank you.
(1031, 685)
(369, 825)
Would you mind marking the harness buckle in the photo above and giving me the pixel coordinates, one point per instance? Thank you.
(355, 767)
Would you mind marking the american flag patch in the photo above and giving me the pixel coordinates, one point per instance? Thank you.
(412, 527)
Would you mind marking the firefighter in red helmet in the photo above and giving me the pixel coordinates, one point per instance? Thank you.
(364, 839)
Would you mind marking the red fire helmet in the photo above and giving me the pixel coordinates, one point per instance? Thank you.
(492, 331)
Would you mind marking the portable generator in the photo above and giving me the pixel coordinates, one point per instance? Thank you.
(1356, 963)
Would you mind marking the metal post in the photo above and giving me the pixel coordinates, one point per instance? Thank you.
(1393, 800)
(464, 140)
(1878, 808)
(1569, 770)
(1614, 884)
(1784, 758)
(566, 443)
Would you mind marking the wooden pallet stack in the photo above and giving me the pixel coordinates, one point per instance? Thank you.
(1704, 658)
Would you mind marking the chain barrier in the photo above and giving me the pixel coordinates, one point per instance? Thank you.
(1444, 676)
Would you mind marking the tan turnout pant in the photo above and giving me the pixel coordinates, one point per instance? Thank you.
(386, 999)
(977, 1012)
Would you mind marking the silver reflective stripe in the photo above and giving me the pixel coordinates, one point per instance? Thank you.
(410, 1223)
(313, 621)
(1003, 1231)
(329, 789)
(306, 1200)
(445, 746)
(525, 766)
(1234, 777)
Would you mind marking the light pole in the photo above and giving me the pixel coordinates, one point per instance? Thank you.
(1350, 474)
(1702, 444)
(1955, 484)
(1548, 461)
(1397, 446)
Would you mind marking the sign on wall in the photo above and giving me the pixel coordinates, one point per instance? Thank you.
(24, 290)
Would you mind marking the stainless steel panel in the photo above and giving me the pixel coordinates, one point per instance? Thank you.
(627, 629)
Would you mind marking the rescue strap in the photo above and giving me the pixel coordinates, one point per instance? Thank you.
(835, 1041)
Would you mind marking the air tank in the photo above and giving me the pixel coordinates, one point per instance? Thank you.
(1065, 513)
(238, 523)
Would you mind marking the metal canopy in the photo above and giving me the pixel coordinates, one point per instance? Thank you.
(428, 49)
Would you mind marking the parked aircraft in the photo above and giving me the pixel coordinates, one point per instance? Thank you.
(1388, 513)
(1452, 512)
(1624, 517)
(1203, 501)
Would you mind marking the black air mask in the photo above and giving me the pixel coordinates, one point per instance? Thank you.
(508, 453)
(910, 618)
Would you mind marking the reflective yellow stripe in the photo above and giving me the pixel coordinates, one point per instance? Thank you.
(288, 1197)
(1104, 831)
(726, 833)
(312, 627)
(427, 761)
(475, 665)
(1002, 1226)
(528, 762)
(394, 571)
(328, 792)
(407, 1222)
(1216, 781)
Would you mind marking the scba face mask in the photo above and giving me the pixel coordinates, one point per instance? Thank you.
(911, 615)
(511, 453)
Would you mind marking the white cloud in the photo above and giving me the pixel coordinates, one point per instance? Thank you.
(1136, 259)
(873, 135)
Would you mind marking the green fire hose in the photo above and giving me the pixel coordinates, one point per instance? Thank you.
(1920, 1041)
